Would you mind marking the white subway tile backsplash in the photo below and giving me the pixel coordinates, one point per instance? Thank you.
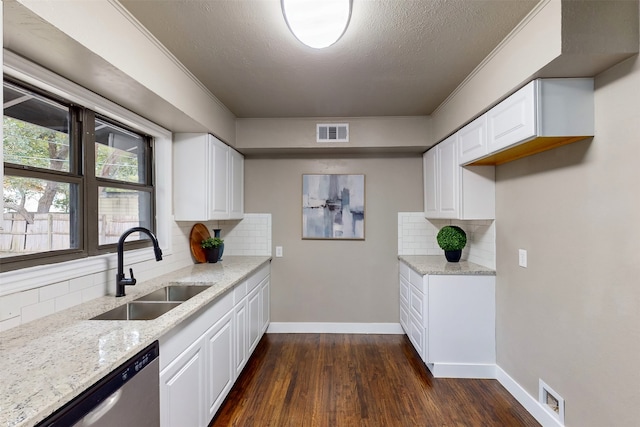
(37, 311)
(95, 291)
(251, 236)
(79, 283)
(69, 300)
(9, 323)
(11, 305)
(417, 236)
(53, 291)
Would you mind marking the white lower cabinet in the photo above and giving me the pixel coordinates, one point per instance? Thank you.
(404, 303)
(201, 358)
(219, 350)
(265, 295)
(182, 392)
(240, 316)
(254, 305)
(450, 321)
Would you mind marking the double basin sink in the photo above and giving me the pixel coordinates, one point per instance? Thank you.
(153, 304)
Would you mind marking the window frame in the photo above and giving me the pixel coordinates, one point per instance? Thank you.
(64, 266)
(94, 182)
(74, 176)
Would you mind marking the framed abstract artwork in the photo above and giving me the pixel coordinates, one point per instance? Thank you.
(333, 207)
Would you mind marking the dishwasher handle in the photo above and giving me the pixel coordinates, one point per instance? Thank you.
(101, 410)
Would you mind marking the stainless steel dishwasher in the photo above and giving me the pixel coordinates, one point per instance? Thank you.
(127, 397)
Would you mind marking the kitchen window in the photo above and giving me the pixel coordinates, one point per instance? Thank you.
(74, 180)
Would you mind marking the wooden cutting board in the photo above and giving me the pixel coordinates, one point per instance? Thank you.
(199, 232)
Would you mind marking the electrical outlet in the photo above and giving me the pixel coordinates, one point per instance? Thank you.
(522, 257)
(278, 251)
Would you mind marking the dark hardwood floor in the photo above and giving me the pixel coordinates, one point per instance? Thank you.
(335, 380)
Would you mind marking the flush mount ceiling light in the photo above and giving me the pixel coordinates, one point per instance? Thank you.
(317, 23)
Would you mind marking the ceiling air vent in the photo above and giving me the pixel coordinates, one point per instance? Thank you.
(334, 132)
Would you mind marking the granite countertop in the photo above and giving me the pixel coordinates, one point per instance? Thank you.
(48, 362)
(438, 264)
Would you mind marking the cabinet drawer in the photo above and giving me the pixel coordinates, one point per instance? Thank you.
(404, 291)
(404, 318)
(417, 336)
(239, 292)
(404, 270)
(257, 277)
(416, 304)
(416, 279)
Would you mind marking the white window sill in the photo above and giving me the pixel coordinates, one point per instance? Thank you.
(38, 276)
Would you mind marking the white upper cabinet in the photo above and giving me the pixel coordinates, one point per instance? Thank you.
(459, 172)
(236, 190)
(512, 120)
(448, 185)
(430, 177)
(472, 140)
(453, 191)
(219, 188)
(544, 114)
(208, 179)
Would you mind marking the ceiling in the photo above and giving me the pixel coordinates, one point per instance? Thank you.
(397, 57)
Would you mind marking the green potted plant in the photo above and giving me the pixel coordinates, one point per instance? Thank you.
(211, 246)
(452, 239)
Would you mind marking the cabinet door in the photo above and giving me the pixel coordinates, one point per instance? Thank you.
(241, 333)
(254, 306)
(417, 336)
(265, 290)
(236, 190)
(182, 391)
(417, 304)
(404, 304)
(448, 189)
(472, 141)
(219, 196)
(191, 165)
(513, 120)
(404, 318)
(220, 368)
(430, 176)
(404, 291)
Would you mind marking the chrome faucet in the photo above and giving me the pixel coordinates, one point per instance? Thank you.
(121, 280)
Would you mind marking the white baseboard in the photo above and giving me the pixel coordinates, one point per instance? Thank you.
(462, 370)
(529, 402)
(333, 328)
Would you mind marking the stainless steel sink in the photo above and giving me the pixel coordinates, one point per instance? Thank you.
(138, 311)
(173, 293)
(153, 304)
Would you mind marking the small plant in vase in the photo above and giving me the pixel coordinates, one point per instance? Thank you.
(211, 246)
(452, 239)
